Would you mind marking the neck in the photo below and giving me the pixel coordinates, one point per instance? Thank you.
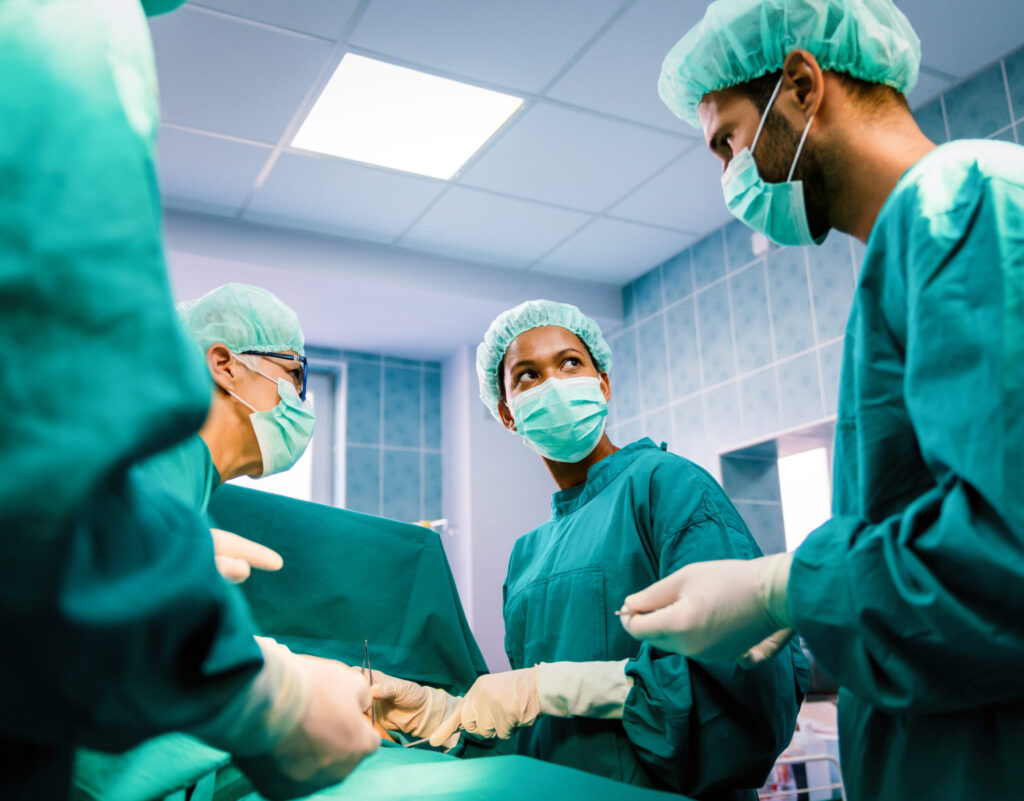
(572, 474)
(228, 434)
(869, 164)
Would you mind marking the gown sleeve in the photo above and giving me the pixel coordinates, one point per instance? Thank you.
(921, 611)
(703, 727)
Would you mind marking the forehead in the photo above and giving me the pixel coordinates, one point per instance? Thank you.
(543, 342)
(726, 107)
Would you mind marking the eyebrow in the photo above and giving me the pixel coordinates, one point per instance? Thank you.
(563, 352)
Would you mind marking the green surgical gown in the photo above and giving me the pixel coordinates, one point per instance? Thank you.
(912, 596)
(185, 471)
(709, 730)
(116, 625)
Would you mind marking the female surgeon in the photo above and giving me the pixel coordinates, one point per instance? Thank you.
(582, 693)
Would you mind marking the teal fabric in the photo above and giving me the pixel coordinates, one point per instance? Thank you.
(710, 730)
(116, 625)
(910, 597)
(350, 577)
(185, 471)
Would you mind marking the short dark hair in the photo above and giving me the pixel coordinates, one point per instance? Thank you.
(866, 94)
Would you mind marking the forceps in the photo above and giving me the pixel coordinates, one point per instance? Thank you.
(368, 668)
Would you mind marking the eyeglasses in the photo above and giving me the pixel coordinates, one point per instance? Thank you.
(300, 359)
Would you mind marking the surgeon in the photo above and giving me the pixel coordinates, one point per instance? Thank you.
(582, 693)
(116, 625)
(910, 596)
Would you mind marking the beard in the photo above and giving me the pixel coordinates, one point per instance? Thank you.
(815, 169)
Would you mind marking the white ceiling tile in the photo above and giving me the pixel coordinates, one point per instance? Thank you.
(339, 197)
(520, 45)
(231, 77)
(470, 224)
(614, 252)
(205, 173)
(686, 196)
(961, 38)
(571, 158)
(619, 73)
(324, 18)
(928, 88)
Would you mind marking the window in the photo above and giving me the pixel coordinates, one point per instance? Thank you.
(806, 493)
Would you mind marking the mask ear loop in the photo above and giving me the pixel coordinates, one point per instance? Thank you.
(764, 117)
(800, 148)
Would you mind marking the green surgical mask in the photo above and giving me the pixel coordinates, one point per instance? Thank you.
(284, 431)
(563, 418)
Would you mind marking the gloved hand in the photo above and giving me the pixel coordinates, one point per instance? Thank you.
(494, 706)
(767, 648)
(235, 556)
(409, 707)
(713, 611)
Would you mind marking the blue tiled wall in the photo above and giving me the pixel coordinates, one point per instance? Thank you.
(723, 346)
(393, 437)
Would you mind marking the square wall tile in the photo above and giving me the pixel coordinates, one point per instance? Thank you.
(1006, 136)
(790, 302)
(653, 363)
(683, 349)
(362, 479)
(432, 486)
(626, 433)
(931, 121)
(830, 358)
(432, 409)
(759, 402)
(677, 277)
(715, 333)
(832, 285)
(751, 479)
(658, 426)
(708, 259)
(625, 378)
(766, 525)
(978, 107)
(690, 429)
(1014, 64)
(647, 293)
(402, 407)
(722, 416)
(751, 324)
(401, 481)
(800, 389)
(628, 304)
(363, 404)
(739, 245)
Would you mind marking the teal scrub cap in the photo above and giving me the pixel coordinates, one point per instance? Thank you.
(739, 40)
(242, 317)
(524, 317)
(155, 7)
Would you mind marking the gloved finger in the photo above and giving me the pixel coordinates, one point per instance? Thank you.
(448, 728)
(259, 556)
(658, 595)
(767, 648)
(649, 626)
(233, 570)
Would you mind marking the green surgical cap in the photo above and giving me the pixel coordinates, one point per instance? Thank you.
(242, 317)
(739, 40)
(524, 317)
(155, 7)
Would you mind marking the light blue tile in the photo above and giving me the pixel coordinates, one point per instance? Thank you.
(978, 107)
(432, 509)
(401, 485)
(431, 409)
(435, 366)
(677, 277)
(360, 356)
(1006, 136)
(683, 349)
(708, 259)
(831, 285)
(790, 302)
(859, 251)
(658, 426)
(739, 247)
(759, 401)
(800, 390)
(1015, 77)
(766, 525)
(625, 380)
(751, 479)
(392, 361)
(362, 479)
(831, 359)
(363, 403)
(690, 429)
(722, 416)
(653, 363)
(931, 122)
(628, 305)
(402, 407)
(630, 431)
(751, 324)
(715, 334)
(647, 293)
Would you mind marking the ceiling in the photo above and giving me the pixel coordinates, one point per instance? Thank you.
(592, 179)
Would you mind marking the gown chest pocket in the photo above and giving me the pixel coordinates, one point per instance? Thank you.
(558, 618)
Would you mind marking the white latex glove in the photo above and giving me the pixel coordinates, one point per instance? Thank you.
(583, 689)
(236, 556)
(409, 707)
(713, 611)
(495, 705)
(767, 648)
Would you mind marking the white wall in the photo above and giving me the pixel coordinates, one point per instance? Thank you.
(495, 490)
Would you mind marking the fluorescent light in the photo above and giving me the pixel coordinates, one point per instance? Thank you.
(806, 494)
(379, 113)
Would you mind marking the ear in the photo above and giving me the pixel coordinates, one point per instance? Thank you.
(606, 386)
(803, 84)
(506, 416)
(223, 366)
